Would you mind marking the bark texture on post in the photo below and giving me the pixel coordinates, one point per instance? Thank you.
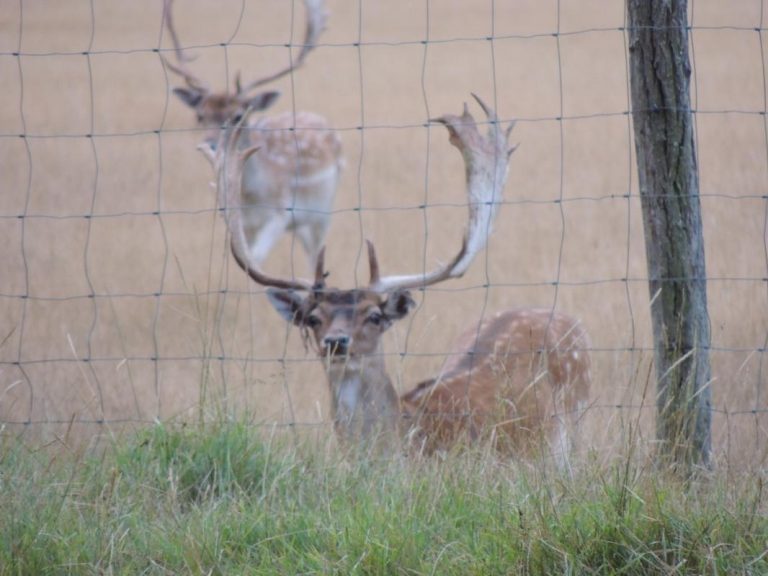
(669, 192)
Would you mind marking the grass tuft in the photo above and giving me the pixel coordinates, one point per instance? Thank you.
(221, 499)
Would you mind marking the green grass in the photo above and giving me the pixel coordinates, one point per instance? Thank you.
(220, 499)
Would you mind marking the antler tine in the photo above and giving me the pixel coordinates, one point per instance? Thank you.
(181, 69)
(320, 270)
(317, 18)
(486, 161)
(373, 263)
(228, 163)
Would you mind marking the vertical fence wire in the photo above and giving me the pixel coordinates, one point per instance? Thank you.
(25, 295)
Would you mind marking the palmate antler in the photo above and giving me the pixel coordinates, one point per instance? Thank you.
(486, 159)
(317, 18)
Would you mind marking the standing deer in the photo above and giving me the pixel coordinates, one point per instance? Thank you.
(290, 184)
(520, 377)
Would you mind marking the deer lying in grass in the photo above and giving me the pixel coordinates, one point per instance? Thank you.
(521, 376)
(290, 183)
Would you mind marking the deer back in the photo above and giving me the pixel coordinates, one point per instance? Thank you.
(516, 378)
(295, 152)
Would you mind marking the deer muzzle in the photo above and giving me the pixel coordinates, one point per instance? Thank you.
(336, 345)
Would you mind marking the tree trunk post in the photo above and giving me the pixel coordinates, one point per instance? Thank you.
(669, 194)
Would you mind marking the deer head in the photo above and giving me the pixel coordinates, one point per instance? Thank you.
(213, 109)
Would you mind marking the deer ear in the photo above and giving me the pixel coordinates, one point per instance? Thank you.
(398, 304)
(288, 303)
(262, 101)
(190, 97)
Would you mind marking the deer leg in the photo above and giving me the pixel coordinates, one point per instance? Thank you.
(312, 237)
(262, 237)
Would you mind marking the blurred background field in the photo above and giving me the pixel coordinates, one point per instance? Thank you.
(120, 305)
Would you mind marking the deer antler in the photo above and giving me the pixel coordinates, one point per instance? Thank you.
(317, 17)
(486, 159)
(228, 162)
(181, 68)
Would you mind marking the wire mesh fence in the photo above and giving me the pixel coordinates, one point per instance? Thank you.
(119, 302)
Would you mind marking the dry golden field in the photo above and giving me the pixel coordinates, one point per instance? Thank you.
(116, 203)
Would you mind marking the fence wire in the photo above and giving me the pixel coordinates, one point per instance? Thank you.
(90, 335)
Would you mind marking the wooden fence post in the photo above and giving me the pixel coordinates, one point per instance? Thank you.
(669, 192)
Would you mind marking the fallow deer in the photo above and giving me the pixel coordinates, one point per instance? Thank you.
(290, 183)
(520, 377)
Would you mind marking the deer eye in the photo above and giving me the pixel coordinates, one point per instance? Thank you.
(314, 321)
(375, 318)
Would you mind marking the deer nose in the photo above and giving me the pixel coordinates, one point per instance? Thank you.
(337, 344)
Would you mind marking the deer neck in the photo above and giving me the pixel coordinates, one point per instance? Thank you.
(364, 403)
